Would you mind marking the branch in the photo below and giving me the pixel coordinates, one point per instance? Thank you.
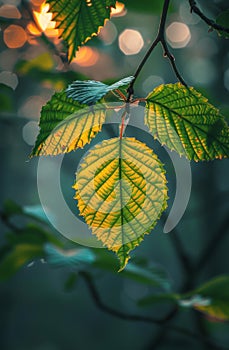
(211, 23)
(160, 38)
(140, 318)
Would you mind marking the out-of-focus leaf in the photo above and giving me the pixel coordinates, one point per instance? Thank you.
(42, 62)
(66, 125)
(121, 192)
(223, 20)
(90, 91)
(71, 257)
(17, 257)
(212, 298)
(6, 102)
(79, 20)
(183, 120)
(11, 208)
(71, 281)
(158, 298)
(152, 7)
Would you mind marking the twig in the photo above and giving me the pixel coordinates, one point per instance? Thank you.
(211, 23)
(139, 318)
(160, 38)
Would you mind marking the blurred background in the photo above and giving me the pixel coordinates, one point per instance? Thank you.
(36, 313)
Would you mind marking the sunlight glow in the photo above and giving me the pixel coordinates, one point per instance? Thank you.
(178, 34)
(86, 57)
(44, 22)
(130, 42)
(119, 10)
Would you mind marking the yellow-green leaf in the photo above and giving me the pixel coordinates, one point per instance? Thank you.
(121, 192)
(79, 20)
(66, 125)
(184, 121)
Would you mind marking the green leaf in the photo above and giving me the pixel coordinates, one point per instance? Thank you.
(158, 298)
(71, 257)
(90, 91)
(212, 298)
(79, 20)
(223, 20)
(121, 192)
(66, 125)
(17, 257)
(154, 7)
(184, 121)
(71, 281)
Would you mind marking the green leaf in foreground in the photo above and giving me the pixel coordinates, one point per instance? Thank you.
(66, 125)
(223, 20)
(121, 192)
(184, 121)
(79, 20)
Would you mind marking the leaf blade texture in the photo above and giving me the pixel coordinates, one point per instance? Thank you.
(66, 125)
(79, 20)
(121, 192)
(183, 120)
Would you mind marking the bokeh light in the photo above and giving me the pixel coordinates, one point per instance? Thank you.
(130, 42)
(8, 78)
(86, 57)
(178, 34)
(119, 10)
(14, 36)
(151, 82)
(44, 21)
(32, 107)
(108, 33)
(9, 11)
(30, 132)
(201, 71)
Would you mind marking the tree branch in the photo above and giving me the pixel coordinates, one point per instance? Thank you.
(140, 318)
(211, 23)
(160, 38)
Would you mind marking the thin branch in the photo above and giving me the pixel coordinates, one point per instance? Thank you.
(140, 318)
(211, 23)
(160, 38)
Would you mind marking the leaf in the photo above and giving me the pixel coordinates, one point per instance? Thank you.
(71, 257)
(66, 125)
(90, 91)
(184, 121)
(154, 7)
(158, 298)
(121, 192)
(79, 20)
(223, 20)
(17, 257)
(212, 298)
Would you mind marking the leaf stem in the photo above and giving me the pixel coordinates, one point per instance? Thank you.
(160, 38)
(211, 23)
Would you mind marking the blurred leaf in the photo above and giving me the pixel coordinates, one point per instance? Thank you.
(79, 20)
(17, 257)
(11, 208)
(212, 298)
(223, 20)
(121, 192)
(184, 121)
(71, 281)
(152, 7)
(6, 102)
(66, 125)
(73, 257)
(90, 91)
(31, 234)
(42, 62)
(158, 298)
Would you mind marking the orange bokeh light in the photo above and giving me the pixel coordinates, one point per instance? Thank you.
(86, 57)
(14, 36)
(119, 10)
(44, 21)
